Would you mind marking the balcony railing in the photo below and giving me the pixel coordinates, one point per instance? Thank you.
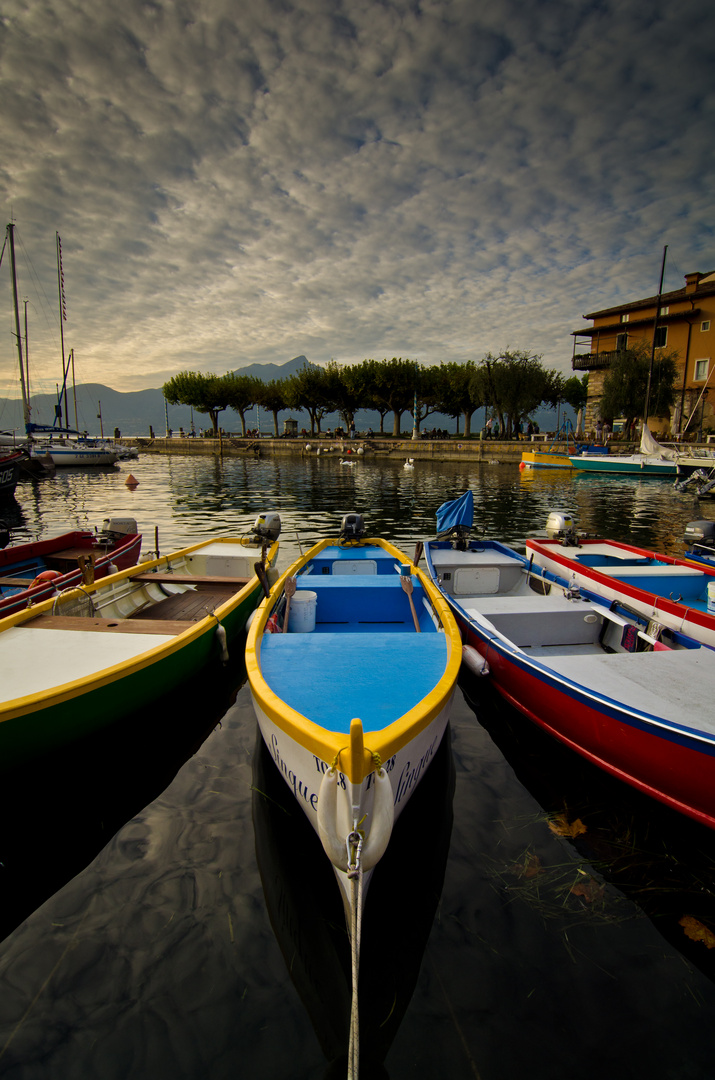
(593, 361)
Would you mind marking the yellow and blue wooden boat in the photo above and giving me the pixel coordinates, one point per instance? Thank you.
(353, 693)
(98, 652)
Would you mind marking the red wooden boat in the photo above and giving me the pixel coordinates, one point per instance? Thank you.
(36, 571)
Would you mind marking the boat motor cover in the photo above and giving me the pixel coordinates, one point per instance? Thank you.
(459, 513)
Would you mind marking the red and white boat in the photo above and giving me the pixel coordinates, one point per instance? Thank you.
(36, 571)
(632, 698)
(671, 592)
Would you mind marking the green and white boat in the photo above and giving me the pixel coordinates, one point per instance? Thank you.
(96, 653)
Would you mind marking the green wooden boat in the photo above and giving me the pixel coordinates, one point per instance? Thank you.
(99, 652)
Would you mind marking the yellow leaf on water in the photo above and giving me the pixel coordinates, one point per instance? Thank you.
(561, 826)
(697, 931)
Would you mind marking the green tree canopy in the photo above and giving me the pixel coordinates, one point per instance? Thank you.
(626, 384)
(310, 389)
(395, 385)
(516, 383)
(205, 393)
(272, 396)
(243, 393)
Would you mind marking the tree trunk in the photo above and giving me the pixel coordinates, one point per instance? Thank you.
(397, 422)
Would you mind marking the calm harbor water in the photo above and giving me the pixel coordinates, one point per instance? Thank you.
(165, 913)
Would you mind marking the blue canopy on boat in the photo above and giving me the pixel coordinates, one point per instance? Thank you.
(459, 513)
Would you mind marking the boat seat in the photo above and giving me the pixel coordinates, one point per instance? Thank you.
(389, 674)
(373, 599)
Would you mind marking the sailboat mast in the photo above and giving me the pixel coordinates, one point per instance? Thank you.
(25, 403)
(63, 315)
(655, 331)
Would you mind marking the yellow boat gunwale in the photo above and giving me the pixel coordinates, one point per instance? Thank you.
(328, 745)
(64, 692)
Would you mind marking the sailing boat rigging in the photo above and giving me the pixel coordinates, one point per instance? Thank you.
(62, 445)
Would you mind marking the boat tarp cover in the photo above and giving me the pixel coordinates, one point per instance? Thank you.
(458, 512)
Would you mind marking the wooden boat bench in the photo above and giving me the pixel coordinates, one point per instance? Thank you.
(168, 627)
(22, 582)
(389, 674)
(188, 579)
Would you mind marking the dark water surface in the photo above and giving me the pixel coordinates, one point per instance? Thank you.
(166, 912)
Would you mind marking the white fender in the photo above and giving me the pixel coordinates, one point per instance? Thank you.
(333, 846)
(220, 634)
(474, 660)
(382, 820)
(334, 838)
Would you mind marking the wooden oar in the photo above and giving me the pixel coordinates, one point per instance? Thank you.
(289, 590)
(418, 552)
(407, 587)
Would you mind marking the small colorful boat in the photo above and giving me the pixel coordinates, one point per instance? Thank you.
(651, 460)
(97, 652)
(627, 693)
(558, 454)
(673, 592)
(354, 695)
(30, 573)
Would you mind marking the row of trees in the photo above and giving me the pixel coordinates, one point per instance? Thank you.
(510, 386)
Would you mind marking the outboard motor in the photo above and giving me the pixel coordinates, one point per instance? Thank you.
(700, 534)
(116, 528)
(560, 526)
(267, 528)
(4, 535)
(352, 527)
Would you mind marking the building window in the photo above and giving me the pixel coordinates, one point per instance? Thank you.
(661, 337)
(663, 310)
(704, 326)
(701, 370)
(625, 318)
(621, 342)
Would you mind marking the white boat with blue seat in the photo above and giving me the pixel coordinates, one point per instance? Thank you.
(352, 663)
(354, 704)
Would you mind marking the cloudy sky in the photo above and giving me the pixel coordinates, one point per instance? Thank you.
(238, 182)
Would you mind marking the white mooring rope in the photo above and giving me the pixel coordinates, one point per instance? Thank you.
(354, 844)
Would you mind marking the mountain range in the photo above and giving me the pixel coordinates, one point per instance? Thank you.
(100, 410)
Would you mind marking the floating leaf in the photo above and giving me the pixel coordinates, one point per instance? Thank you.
(529, 868)
(697, 931)
(590, 890)
(561, 826)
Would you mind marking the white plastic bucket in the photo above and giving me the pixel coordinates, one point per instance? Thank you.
(301, 619)
(711, 596)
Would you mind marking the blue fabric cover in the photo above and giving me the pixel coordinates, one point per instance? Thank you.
(457, 512)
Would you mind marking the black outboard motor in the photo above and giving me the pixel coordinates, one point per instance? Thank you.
(4, 535)
(352, 528)
(700, 534)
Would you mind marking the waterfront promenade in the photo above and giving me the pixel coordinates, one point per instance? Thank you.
(391, 448)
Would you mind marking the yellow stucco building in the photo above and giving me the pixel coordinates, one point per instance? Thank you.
(685, 325)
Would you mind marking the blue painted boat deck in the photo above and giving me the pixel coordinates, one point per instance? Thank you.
(330, 678)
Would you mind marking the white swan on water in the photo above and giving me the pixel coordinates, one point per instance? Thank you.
(410, 463)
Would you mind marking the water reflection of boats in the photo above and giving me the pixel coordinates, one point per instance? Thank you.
(58, 812)
(308, 919)
(661, 862)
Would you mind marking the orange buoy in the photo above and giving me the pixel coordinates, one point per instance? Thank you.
(131, 481)
(522, 465)
(45, 576)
